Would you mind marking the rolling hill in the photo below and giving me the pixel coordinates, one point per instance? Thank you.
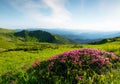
(11, 38)
(107, 40)
(5, 31)
(38, 35)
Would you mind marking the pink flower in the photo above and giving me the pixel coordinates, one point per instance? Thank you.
(116, 58)
(101, 57)
(107, 62)
(62, 60)
(74, 59)
(34, 65)
(102, 61)
(79, 78)
(93, 54)
(80, 62)
(94, 60)
(37, 62)
(50, 58)
(54, 57)
(52, 63)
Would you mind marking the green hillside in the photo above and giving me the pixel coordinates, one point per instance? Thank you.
(4, 31)
(60, 39)
(11, 39)
(6, 39)
(38, 35)
(107, 40)
(15, 63)
(41, 36)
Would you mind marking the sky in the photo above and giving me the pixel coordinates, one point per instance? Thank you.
(103, 15)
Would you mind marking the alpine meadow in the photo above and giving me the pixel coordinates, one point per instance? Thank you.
(59, 42)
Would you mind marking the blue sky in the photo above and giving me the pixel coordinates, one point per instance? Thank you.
(101, 15)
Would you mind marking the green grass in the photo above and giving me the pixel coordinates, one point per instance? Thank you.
(3, 30)
(110, 47)
(19, 61)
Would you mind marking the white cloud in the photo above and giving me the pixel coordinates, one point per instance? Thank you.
(108, 19)
(31, 8)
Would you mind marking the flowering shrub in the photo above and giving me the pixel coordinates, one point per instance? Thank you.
(74, 66)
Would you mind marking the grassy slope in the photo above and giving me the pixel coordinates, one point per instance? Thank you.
(107, 40)
(17, 59)
(61, 39)
(20, 60)
(111, 47)
(9, 41)
(6, 39)
(3, 30)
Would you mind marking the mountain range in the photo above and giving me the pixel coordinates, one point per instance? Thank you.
(60, 35)
(82, 36)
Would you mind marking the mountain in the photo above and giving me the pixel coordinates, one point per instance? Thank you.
(61, 39)
(12, 36)
(39, 35)
(83, 36)
(107, 40)
(59, 35)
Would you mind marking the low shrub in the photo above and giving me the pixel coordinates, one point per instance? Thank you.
(85, 65)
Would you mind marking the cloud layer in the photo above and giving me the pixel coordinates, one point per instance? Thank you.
(58, 13)
(72, 14)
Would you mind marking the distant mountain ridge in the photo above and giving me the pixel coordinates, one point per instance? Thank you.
(84, 36)
(74, 36)
(107, 40)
